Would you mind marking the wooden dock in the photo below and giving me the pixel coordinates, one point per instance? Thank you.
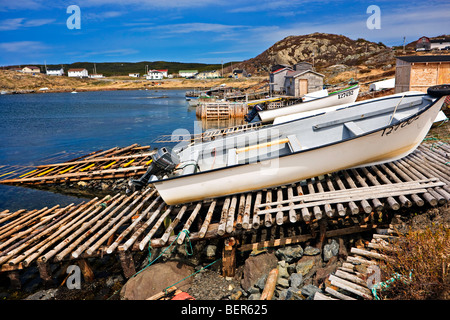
(113, 163)
(343, 202)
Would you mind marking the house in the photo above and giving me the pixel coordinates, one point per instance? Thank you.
(239, 73)
(96, 76)
(55, 72)
(208, 74)
(426, 44)
(31, 69)
(417, 73)
(187, 73)
(164, 72)
(154, 75)
(299, 83)
(134, 75)
(277, 79)
(15, 69)
(78, 73)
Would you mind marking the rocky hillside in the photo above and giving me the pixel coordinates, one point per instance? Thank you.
(325, 49)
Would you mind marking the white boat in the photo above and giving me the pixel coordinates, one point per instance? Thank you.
(361, 134)
(347, 95)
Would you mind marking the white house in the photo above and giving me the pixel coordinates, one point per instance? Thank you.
(31, 69)
(55, 72)
(80, 73)
(154, 75)
(187, 73)
(208, 74)
(134, 75)
(96, 76)
(164, 72)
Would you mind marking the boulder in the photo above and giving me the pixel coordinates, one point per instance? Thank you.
(156, 278)
(311, 251)
(296, 280)
(309, 291)
(290, 254)
(305, 264)
(330, 250)
(257, 266)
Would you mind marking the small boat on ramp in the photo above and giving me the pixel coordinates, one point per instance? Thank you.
(361, 134)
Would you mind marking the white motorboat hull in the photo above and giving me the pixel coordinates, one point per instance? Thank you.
(343, 97)
(383, 144)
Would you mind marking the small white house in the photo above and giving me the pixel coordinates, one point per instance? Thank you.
(134, 75)
(154, 75)
(55, 72)
(187, 73)
(96, 76)
(31, 69)
(164, 72)
(77, 73)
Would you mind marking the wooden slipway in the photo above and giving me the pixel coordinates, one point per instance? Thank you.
(343, 202)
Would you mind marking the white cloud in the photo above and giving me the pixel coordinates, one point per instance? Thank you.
(17, 23)
(23, 46)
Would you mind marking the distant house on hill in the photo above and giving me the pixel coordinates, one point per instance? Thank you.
(426, 44)
(96, 76)
(77, 73)
(187, 73)
(208, 74)
(15, 69)
(417, 73)
(134, 75)
(55, 72)
(31, 69)
(154, 75)
(239, 73)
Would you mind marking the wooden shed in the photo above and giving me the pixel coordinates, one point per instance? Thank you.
(299, 83)
(417, 73)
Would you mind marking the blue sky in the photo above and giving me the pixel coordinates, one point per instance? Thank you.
(207, 31)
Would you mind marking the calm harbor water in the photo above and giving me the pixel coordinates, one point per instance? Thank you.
(39, 128)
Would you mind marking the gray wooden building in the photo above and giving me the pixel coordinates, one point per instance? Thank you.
(299, 83)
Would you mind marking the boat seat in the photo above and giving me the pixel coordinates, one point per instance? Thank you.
(232, 157)
(354, 129)
(294, 144)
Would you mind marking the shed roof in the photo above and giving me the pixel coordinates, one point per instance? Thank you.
(295, 74)
(441, 58)
(74, 70)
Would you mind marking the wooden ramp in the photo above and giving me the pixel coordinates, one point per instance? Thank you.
(114, 163)
(122, 224)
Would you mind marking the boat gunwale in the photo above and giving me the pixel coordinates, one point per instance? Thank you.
(155, 182)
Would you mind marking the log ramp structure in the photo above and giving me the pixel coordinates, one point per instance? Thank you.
(113, 163)
(345, 202)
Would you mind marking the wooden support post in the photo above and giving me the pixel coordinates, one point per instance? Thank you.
(86, 270)
(229, 257)
(322, 234)
(127, 263)
(45, 272)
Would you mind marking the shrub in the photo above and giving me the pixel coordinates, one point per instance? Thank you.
(422, 258)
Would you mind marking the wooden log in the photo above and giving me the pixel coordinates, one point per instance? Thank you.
(279, 215)
(255, 218)
(340, 209)
(321, 296)
(351, 287)
(270, 285)
(241, 209)
(338, 294)
(86, 270)
(378, 206)
(369, 254)
(207, 221)
(45, 272)
(268, 216)
(223, 216)
(229, 258)
(350, 277)
(246, 218)
(316, 209)
(93, 236)
(172, 226)
(364, 203)
(391, 201)
(188, 223)
(351, 204)
(230, 216)
(142, 228)
(304, 211)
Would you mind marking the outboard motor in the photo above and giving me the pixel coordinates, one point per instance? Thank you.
(252, 114)
(163, 162)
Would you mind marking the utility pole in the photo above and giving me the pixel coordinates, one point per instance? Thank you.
(222, 68)
(404, 38)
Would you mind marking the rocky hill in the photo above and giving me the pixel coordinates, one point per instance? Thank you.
(323, 50)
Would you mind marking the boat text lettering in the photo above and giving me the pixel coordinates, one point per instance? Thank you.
(345, 94)
(387, 131)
